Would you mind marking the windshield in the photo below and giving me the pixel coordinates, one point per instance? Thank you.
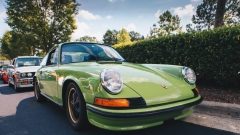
(84, 52)
(22, 62)
(4, 68)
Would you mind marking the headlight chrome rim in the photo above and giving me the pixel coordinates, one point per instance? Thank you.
(110, 77)
(29, 74)
(26, 74)
(23, 74)
(189, 75)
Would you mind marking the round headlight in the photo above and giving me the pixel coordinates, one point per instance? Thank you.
(189, 75)
(23, 74)
(29, 74)
(111, 81)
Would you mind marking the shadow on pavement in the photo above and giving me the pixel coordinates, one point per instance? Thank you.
(47, 118)
(6, 90)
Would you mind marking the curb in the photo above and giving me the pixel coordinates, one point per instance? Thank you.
(219, 109)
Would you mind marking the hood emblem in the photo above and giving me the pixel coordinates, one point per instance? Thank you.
(164, 86)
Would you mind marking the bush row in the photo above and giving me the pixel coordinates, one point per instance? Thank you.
(214, 55)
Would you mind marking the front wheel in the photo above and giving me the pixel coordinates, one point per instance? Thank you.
(76, 107)
(38, 96)
(4, 81)
(9, 84)
(15, 85)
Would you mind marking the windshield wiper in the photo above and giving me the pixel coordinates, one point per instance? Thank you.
(109, 59)
(93, 57)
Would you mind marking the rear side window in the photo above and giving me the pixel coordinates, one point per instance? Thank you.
(53, 57)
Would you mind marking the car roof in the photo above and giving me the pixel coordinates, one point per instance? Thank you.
(90, 43)
(29, 57)
(65, 43)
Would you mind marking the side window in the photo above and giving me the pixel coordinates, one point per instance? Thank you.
(13, 62)
(53, 57)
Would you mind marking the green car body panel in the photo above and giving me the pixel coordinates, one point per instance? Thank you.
(135, 123)
(161, 86)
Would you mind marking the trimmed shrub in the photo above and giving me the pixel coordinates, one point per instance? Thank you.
(214, 55)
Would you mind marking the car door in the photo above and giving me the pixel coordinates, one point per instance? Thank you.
(48, 76)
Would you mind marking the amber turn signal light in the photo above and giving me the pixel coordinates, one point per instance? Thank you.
(111, 102)
(197, 90)
(25, 81)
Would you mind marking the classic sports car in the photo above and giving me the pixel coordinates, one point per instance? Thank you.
(22, 70)
(3, 74)
(96, 85)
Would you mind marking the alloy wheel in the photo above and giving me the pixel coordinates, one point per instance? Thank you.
(73, 105)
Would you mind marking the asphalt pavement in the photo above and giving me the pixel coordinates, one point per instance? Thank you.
(219, 109)
(21, 114)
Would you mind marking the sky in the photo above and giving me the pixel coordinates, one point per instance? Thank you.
(95, 17)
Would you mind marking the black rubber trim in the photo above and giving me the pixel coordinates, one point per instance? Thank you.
(195, 93)
(143, 114)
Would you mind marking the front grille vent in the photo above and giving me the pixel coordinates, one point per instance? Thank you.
(137, 102)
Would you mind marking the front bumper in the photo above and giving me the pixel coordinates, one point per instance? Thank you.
(24, 82)
(132, 119)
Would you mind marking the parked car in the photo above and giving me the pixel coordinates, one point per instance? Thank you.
(5, 78)
(21, 71)
(3, 70)
(95, 84)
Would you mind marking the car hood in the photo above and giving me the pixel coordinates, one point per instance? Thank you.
(27, 69)
(156, 83)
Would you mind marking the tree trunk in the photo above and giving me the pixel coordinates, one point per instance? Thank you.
(219, 13)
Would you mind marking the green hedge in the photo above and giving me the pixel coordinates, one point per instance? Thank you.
(214, 55)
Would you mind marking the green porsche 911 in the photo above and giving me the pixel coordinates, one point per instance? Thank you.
(96, 85)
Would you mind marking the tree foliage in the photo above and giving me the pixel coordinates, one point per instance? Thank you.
(205, 14)
(123, 36)
(14, 44)
(87, 39)
(168, 23)
(110, 37)
(5, 41)
(49, 22)
(135, 36)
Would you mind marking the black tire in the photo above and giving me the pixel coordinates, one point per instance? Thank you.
(76, 107)
(15, 85)
(37, 93)
(9, 84)
(4, 81)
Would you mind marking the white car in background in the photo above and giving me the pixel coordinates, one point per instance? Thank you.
(22, 70)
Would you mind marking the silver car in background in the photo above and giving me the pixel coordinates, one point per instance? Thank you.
(21, 71)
